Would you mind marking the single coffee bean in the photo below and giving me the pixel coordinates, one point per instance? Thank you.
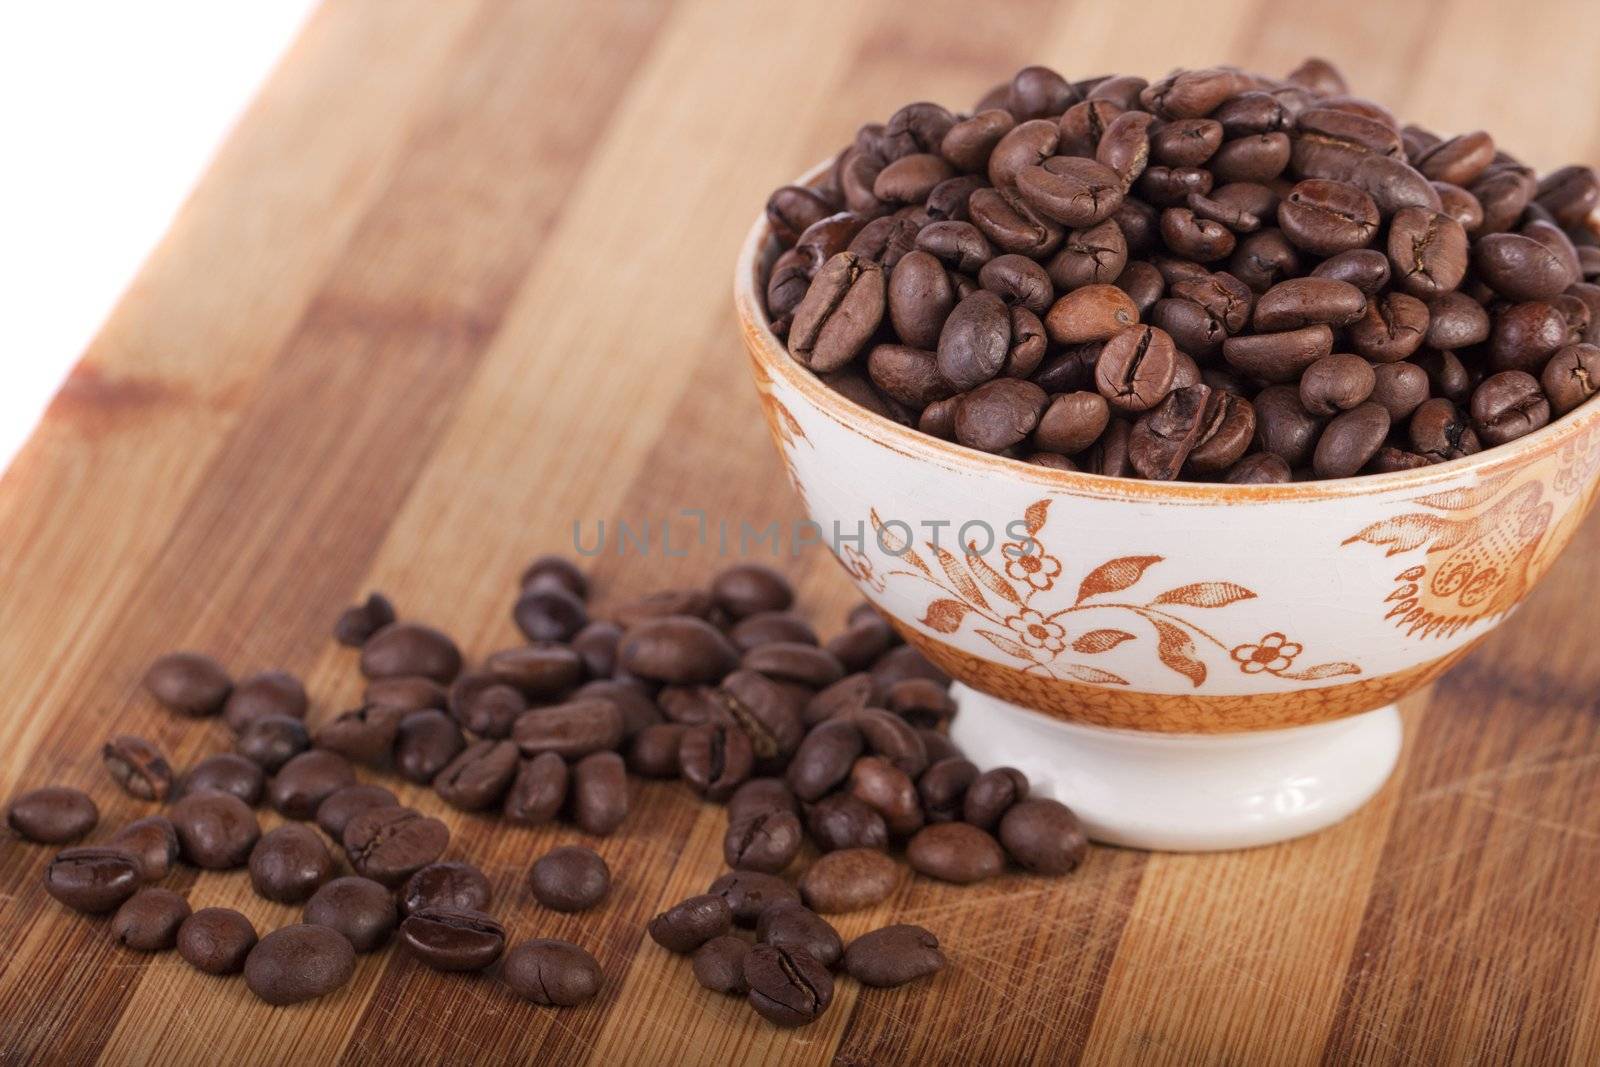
(714, 758)
(539, 790)
(288, 863)
(1428, 250)
(1259, 468)
(1400, 388)
(52, 815)
(1336, 383)
(849, 880)
(1072, 422)
(551, 571)
(265, 694)
(94, 879)
(893, 956)
(1365, 268)
(1136, 369)
(541, 672)
(215, 830)
(1278, 357)
(306, 781)
(358, 908)
(1520, 268)
(632, 697)
(551, 973)
(955, 852)
(456, 885)
(570, 878)
(1328, 217)
(765, 627)
(992, 794)
(224, 773)
(149, 920)
(411, 692)
(794, 926)
(449, 939)
(1300, 302)
(335, 813)
(1351, 440)
(654, 752)
(272, 740)
(1525, 336)
(788, 986)
(679, 649)
(839, 313)
(1284, 427)
(1043, 836)
(889, 790)
(408, 648)
(943, 788)
(188, 683)
(998, 414)
(479, 777)
(749, 893)
(216, 940)
(1391, 329)
(968, 144)
(1571, 377)
(844, 821)
(920, 702)
(758, 795)
(388, 845)
(596, 648)
(764, 708)
(1162, 440)
(599, 793)
(296, 963)
(751, 588)
(425, 743)
(793, 661)
(762, 841)
(1440, 432)
(549, 613)
(690, 923)
(485, 705)
(719, 965)
(364, 735)
(153, 840)
(1507, 406)
(1092, 313)
(360, 621)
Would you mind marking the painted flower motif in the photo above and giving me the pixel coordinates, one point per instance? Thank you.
(1032, 566)
(1274, 655)
(1036, 631)
(860, 568)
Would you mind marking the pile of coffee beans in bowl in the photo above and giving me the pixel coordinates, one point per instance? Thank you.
(1215, 276)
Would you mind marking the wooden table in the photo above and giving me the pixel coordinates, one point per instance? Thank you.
(460, 278)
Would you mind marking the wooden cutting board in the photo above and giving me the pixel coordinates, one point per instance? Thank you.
(459, 279)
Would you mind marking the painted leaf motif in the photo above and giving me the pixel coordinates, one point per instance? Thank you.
(1321, 670)
(989, 576)
(1100, 641)
(1176, 650)
(1007, 645)
(1406, 532)
(944, 616)
(1035, 516)
(1085, 673)
(1460, 499)
(959, 577)
(1206, 595)
(896, 545)
(1114, 575)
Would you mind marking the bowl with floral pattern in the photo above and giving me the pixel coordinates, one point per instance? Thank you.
(1189, 666)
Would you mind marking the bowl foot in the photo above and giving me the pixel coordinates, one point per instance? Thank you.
(1187, 792)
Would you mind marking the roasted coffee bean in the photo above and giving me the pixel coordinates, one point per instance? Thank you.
(1171, 186)
(690, 923)
(1162, 440)
(216, 940)
(1278, 357)
(1391, 329)
(1136, 369)
(749, 589)
(425, 743)
(306, 781)
(358, 908)
(547, 671)
(943, 788)
(1284, 427)
(359, 622)
(599, 793)
(1365, 268)
(975, 341)
(153, 840)
(788, 986)
(1336, 383)
(224, 773)
(1199, 239)
(411, 692)
(551, 973)
(558, 571)
(363, 735)
(678, 649)
(793, 926)
(549, 614)
(848, 880)
(334, 813)
(959, 246)
(295, 963)
(714, 758)
(570, 730)
(1018, 281)
(766, 709)
(1525, 336)
(388, 845)
(215, 830)
(968, 144)
(1299, 302)
(1012, 224)
(1188, 94)
(189, 683)
(1429, 252)
(1259, 468)
(765, 841)
(1262, 258)
(272, 740)
(998, 414)
(654, 751)
(570, 878)
(1092, 313)
(289, 863)
(1519, 267)
(1440, 432)
(1350, 440)
(840, 312)
(761, 794)
(1571, 377)
(1327, 217)
(854, 691)
(93, 879)
(992, 794)
(893, 956)
(1043, 836)
(53, 815)
(408, 648)
(1460, 205)
(892, 738)
(1228, 425)
(824, 758)
(768, 626)
(719, 965)
(844, 821)
(485, 705)
(269, 693)
(449, 939)
(890, 791)
(539, 790)
(749, 893)
(1507, 406)
(1094, 255)
(479, 777)
(955, 852)
(631, 696)
(455, 885)
(1400, 388)
(794, 662)
(920, 702)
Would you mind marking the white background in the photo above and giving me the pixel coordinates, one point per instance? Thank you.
(110, 110)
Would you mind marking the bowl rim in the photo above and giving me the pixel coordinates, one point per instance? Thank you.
(773, 357)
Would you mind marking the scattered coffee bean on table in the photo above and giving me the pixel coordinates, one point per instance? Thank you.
(149, 920)
(551, 972)
(570, 878)
(1203, 278)
(448, 939)
(893, 956)
(295, 963)
(138, 767)
(53, 815)
(359, 908)
(216, 940)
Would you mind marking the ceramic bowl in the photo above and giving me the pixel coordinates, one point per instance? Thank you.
(1188, 665)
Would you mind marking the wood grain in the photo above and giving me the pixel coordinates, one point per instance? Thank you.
(459, 280)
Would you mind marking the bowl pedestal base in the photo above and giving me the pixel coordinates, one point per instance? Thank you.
(1186, 792)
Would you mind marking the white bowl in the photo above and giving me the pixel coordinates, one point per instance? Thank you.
(1187, 665)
